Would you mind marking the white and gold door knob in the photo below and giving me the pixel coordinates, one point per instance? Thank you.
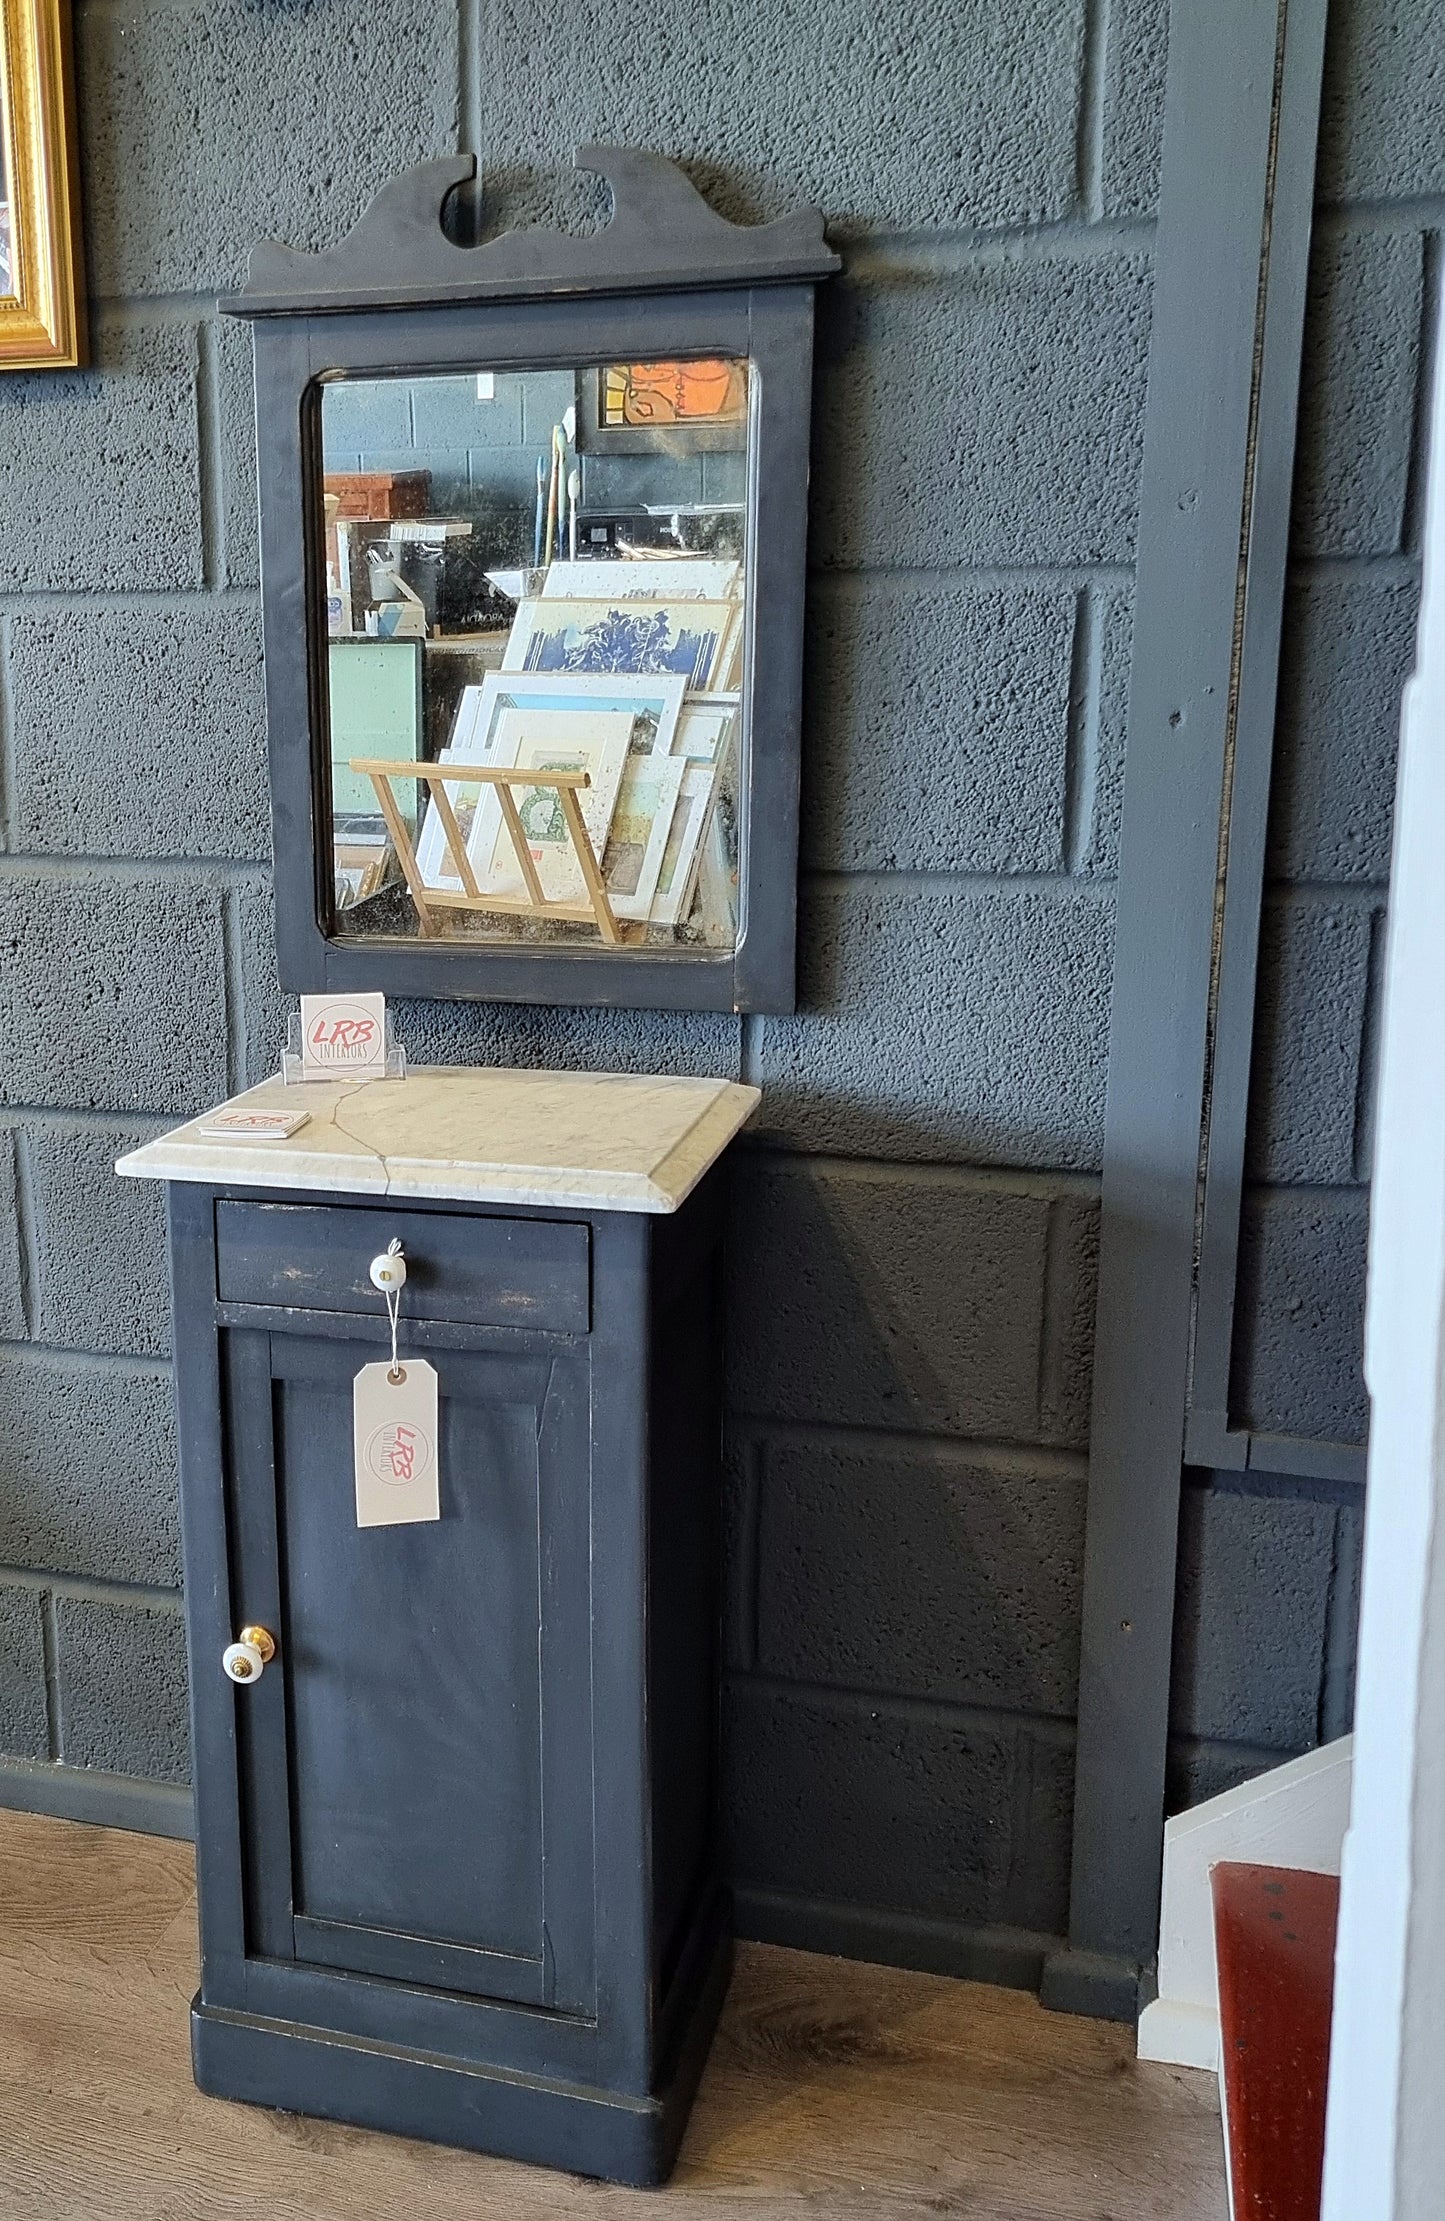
(247, 1658)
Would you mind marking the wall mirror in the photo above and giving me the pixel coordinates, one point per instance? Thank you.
(533, 532)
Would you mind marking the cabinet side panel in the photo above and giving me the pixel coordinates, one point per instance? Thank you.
(684, 1602)
(207, 1591)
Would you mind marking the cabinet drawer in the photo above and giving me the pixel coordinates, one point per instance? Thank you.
(477, 1271)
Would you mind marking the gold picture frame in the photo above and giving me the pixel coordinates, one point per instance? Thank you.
(42, 293)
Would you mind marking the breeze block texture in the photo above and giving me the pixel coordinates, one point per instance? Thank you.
(1269, 1567)
(134, 815)
(915, 1214)
(1348, 644)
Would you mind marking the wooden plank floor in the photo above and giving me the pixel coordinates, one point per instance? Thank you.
(834, 2090)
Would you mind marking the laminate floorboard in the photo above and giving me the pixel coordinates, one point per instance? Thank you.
(835, 2091)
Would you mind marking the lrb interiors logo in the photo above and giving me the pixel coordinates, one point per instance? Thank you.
(342, 1034)
(399, 1453)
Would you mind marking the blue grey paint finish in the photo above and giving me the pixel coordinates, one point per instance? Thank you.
(82, 1214)
(12, 1284)
(931, 1573)
(1382, 123)
(1264, 1638)
(1358, 386)
(949, 1785)
(1293, 1031)
(121, 1674)
(283, 120)
(987, 675)
(922, 387)
(81, 678)
(24, 1725)
(942, 1304)
(317, 1257)
(983, 136)
(661, 236)
(97, 1799)
(1258, 962)
(469, 1810)
(1133, 62)
(1218, 452)
(140, 957)
(1254, 1581)
(87, 1450)
(1005, 988)
(116, 445)
(666, 275)
(1349, 645)
(1302, 1313)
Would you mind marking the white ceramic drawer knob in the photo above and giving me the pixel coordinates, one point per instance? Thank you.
(388, 1270)
(246, 1659)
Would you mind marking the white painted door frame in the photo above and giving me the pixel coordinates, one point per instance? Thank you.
(1385, 2149)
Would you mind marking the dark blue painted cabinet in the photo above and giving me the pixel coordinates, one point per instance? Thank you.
(456, 1843)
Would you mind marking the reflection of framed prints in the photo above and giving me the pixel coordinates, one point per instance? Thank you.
(637, 842)
(679, 864)
(484, 731)
(705, 725)
(695, 639)
(42, 298)
(667, 578)
(655, 701)
(433, 857)
(678, 407)
(593, 741)
(375, 710)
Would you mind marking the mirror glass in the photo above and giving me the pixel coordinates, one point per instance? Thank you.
(535, 589)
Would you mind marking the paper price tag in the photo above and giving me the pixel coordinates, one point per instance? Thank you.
(394, 1435)
(343, 1037)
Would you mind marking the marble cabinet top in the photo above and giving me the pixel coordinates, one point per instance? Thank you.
(569, 1140)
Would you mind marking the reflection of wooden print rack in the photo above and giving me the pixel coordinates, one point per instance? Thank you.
(597, 910)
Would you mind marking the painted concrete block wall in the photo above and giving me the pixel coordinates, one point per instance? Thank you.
(134, 821)
(1353, 598)
(1270, 1566)
(915, 1216)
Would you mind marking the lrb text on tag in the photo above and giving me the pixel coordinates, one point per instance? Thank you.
(394, 1428)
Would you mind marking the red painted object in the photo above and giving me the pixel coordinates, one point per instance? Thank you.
(1274, 1943)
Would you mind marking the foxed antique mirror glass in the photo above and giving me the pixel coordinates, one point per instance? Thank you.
(539, 570)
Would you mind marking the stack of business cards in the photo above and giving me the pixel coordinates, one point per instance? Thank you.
(238, 1124)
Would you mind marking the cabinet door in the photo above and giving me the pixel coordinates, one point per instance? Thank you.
(416, 1763)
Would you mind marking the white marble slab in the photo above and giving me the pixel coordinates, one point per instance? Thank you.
(570, 1140)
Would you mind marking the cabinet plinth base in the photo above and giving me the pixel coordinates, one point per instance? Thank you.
(491, 2109)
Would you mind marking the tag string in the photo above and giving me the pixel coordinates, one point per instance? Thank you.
(392, 1298)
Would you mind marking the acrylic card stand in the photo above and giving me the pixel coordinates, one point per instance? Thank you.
(596, 910)
(292, 1061)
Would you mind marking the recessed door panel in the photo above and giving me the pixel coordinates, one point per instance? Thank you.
(410, 1774)
(414, 1680)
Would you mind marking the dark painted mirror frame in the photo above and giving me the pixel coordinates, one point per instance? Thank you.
(665, 277)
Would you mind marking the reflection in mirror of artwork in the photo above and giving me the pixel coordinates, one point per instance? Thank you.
(7, 282)
(535, 596)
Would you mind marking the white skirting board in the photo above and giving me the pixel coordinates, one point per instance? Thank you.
(1295, 1816)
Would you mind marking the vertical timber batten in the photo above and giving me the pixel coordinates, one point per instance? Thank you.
(1241, 120)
